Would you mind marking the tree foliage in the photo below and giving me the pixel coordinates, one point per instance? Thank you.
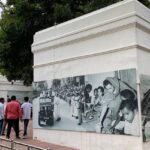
(22, 18)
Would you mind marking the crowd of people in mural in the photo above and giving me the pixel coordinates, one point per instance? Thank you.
(113, 105)
(11, 111)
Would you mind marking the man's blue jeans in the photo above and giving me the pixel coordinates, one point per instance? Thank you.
(1, 126)
(26, 122)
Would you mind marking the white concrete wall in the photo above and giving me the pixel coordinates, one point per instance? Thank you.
(143, 69)
(17, 89)
(90, 141)
(143, 62)
(89, 65)
(106, 40)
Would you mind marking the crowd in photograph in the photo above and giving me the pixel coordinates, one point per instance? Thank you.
(114, 102)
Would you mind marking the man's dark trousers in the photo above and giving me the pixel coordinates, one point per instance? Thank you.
(15, 124)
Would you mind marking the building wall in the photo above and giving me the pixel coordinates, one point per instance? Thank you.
(17, 89)
(143, 63)
(84, 140)
(111, 43)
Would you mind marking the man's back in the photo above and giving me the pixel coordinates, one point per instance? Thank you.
(1, 111)
(12, 110)
(26, 108)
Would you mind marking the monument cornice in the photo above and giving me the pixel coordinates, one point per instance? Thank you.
(91, 55)
(79, 35)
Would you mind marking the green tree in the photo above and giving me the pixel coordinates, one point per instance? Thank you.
(22, 18)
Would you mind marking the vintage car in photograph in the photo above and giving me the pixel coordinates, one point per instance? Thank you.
(46, 117)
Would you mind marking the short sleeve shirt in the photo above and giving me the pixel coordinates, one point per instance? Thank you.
(1, 111)
(132, 128)
(26, 107)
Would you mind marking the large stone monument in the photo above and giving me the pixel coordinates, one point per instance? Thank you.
(92, 80)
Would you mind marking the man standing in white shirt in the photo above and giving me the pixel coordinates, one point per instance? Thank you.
(26, 108)
(1, 114)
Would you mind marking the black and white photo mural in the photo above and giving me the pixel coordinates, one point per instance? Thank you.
(103, 103)
(145, 97)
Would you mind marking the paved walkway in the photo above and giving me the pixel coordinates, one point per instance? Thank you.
(30, 140)
(146, 145)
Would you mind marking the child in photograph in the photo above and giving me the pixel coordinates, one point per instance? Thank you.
(114, 86)
(112, 99)
(128, 95)
(88, 101)
(95, 99)
(98, 95)
(131, 116)
(88, 95)
(124, 95)
(95, 102)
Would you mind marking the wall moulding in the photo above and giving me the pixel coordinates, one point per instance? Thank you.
(91, 55)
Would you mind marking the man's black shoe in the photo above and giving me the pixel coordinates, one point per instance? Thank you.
(17, 137)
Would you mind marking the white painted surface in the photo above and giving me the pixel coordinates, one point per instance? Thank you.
(109, 39)
(90, 65)
(143, 62)
(17, 89)
(89, 141)
(88, 46)
(143, 68)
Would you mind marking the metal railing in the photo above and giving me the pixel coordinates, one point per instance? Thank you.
(12, 145)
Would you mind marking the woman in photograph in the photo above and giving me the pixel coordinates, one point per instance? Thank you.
(105, 111)
(97, 97)
(113, 86)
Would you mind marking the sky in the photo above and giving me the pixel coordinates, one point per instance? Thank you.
(4, 1)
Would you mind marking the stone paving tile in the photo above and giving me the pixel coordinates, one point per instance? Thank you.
(30, 140)
(146, 145)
